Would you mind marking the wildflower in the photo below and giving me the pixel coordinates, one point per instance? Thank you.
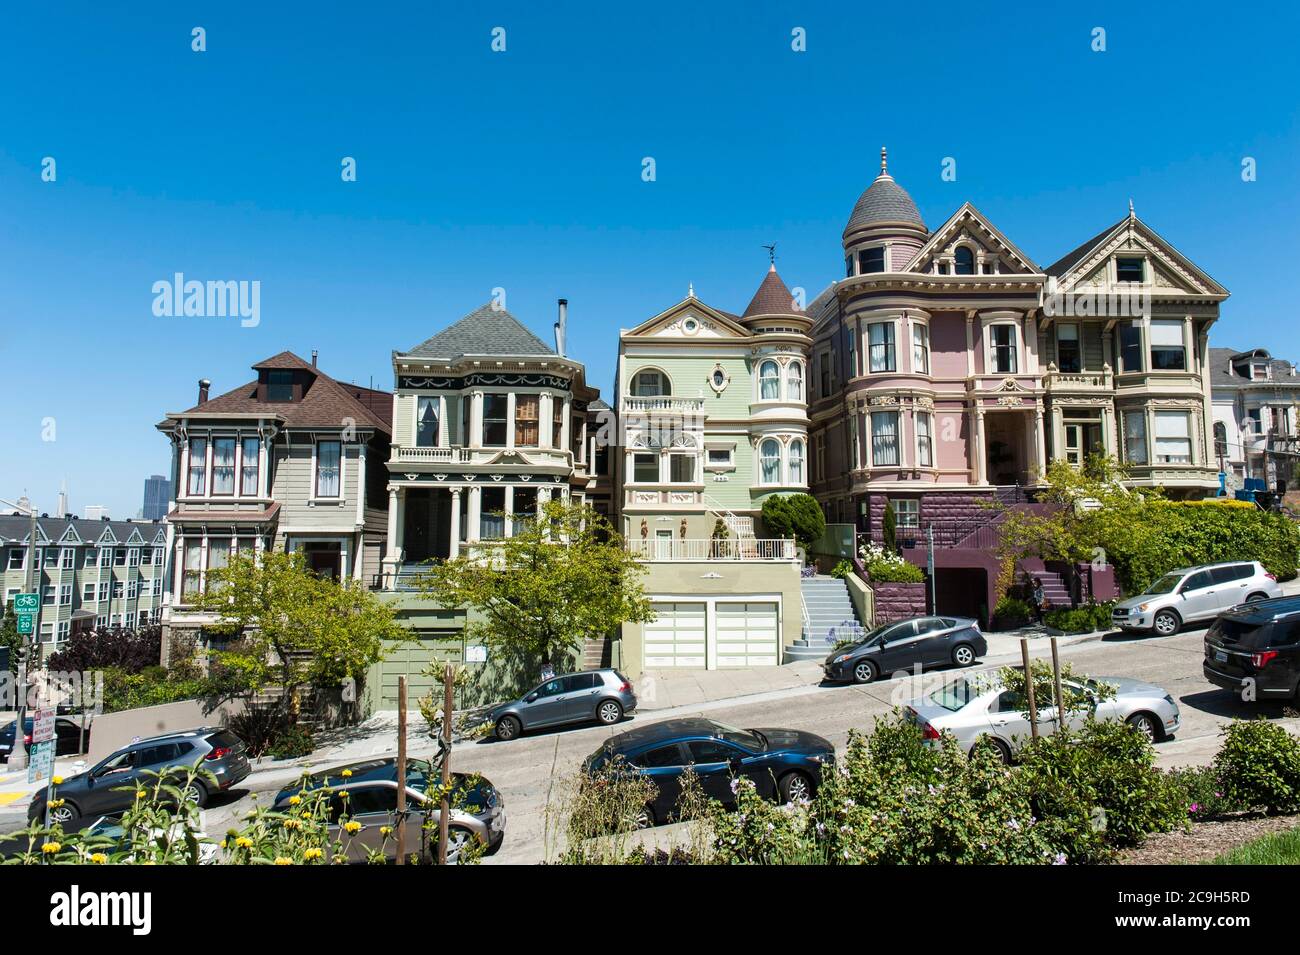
(352, 827)
(57, 780)
(140, 794)
(294, 800)
(98, 858)
(385, 830)
(281, 860)
(311, 855)
(56, 803)
(244, 842)
(50, 848)
(1060, 859)
(294, 824)
(1194, 808)
(347, 774)
(735, 785)
(1013, 825)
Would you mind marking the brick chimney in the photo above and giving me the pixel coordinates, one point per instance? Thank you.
(204, 385)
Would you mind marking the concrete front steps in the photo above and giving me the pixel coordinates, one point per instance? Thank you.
(1054, 590)
(829, 608)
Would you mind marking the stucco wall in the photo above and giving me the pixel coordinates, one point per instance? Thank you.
(111, 731)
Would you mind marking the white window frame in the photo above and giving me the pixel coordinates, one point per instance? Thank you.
(780, 462)
(871, 445)
(316, 497)
(929, 436)
(991, 347)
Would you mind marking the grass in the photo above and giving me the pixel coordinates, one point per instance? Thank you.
(1279, 848)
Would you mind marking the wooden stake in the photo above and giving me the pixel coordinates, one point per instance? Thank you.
(1029, 688)
(444, 810)
(1060, 696)
(401, 770)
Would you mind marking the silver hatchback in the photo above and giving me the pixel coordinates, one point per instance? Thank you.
(1194, 594)
(600, 695)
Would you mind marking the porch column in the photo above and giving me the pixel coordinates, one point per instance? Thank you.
(981, 477)
(1040, 441)
(1107, 444)
(474, 518)
(510, 420)
(509, 522)
(475, 420)
(1058, 433)
(454, 551)
(544, 429)
(393, 527)
(565, 440)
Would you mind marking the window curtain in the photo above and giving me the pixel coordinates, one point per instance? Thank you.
(884, 438)
(771, 462)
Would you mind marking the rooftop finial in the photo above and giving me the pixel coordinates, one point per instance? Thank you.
(690, 290)
(1130, 210)
(771, 256)
(884, 166)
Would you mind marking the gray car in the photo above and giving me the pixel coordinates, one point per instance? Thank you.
(600, 695)
(1193, 594)
(108, 788)
(978, 708)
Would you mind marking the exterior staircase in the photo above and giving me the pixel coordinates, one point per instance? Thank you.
(1055, 592)
(826, 607)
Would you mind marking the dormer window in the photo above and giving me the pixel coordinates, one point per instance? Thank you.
(1130, 270)
(279, 386)
(964, 261)
(871, 260)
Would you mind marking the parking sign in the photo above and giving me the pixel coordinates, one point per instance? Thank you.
(41, 766)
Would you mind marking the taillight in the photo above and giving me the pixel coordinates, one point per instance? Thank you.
(27, 739)
(929, 732)
(1262, 658)
(1272, 577)
(219, 753)
(626, 687)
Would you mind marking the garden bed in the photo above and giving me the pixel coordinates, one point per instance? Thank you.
(1205, 841)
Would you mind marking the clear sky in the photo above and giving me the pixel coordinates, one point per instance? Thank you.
(522, 169)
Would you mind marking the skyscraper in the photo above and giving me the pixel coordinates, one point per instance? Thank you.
(157, 497)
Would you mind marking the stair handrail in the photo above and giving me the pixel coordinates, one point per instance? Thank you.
(729, 517)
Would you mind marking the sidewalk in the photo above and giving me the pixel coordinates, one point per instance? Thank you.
(14, 786)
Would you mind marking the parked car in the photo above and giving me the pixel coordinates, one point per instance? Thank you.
(784, 764)
(904, 644)
(110, 827)
(67, 737)
(1257, 645)
(975, 710)
(601, 695)
(478, 811)
(1192, 594)
(108, 788)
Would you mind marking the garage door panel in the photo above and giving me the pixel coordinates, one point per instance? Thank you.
(747, 633)
(677, 637)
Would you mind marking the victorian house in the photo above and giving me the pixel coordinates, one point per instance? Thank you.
(292, 460)
(713, 420)
(1256, 402)
(948, 369)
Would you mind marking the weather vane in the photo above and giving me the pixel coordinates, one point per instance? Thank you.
(771, 253)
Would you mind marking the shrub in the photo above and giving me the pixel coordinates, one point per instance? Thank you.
(1011, 612)
(1097, 789)
(1202, 792)
(889, 527)
(884, 566)
(126, 691)
(842, 569)
(795, 515)
(1259, 765)
(103, 649)
(292, 742)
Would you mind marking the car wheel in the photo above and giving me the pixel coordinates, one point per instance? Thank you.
(508, 728)
(864, 671)
(609, 712)
(999, 746)
(963, 654)
(196, 794)
(458, 837)
(795, 787)
(1147, 725)
(645, 818)
(1166, 623)
(1256, 596)
(64, 815)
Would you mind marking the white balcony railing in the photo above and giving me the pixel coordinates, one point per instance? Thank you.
(661, 405)
(1078, 380)
(664, 550)
(412, 453)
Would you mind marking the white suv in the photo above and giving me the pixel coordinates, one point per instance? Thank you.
(1194, 593)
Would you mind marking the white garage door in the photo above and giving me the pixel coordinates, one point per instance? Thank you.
(676, 637)
(747, 635)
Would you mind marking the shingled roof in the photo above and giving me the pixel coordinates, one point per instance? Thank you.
(325, 403)
(772, 297)
(488, 330)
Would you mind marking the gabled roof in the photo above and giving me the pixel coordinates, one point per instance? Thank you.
(968, 215)
(725, 320)
(1083, 259)
(1222, 375)
(70, 532)
(772, 298)
(326, 403)
(489, 330)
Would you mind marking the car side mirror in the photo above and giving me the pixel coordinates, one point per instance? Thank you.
(531, 698)
(737, 764)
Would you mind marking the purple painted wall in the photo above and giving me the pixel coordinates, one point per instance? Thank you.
(899, 601)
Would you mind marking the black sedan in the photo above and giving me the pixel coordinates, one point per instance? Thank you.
(905, 645)
(784, 764)
(68, 737)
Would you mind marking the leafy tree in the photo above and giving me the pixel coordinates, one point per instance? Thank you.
(294, 628)
(105, 648)
(795, 515)
(9, 636)
(889, 527)
(558, 581)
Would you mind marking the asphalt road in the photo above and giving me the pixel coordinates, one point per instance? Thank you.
(531, 772)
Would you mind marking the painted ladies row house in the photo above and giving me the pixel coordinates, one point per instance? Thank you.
(949, 368)
(1256, 401)
(292, 460)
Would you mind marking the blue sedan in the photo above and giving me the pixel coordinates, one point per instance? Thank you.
(784, 764)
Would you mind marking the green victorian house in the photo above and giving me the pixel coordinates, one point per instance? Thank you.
(713, 419)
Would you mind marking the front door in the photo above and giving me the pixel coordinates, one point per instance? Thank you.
(324, 559)
(663, 545)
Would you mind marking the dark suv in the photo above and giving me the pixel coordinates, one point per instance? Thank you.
(1255, 648)
(108, 789)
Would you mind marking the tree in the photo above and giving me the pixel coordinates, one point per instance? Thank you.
(889, 528)
(9, 636)
(560, 580)
(294, 628)
(795, 515)
(109, 649)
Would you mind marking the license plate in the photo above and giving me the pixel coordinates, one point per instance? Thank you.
(1220, 656)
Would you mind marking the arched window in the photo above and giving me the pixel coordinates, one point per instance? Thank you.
(1220, 439)
(769, 381)
(964, 261)
(770, 459)
(796, 462)
(794, 381)
(651, 383)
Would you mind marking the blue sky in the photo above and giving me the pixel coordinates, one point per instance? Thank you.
(522, 170)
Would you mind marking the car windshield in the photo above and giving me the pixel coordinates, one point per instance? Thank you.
(749, 739)
(874, 635)
(1165, 585)
(955, 695)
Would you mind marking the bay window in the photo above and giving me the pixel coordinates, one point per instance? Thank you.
(880, 336)
(1002, 340)
(796, 462)
(329, 460)
(192, 567)
(794, 381)
(223, 466)
(769, 454)
(1168, 353)
(557, 426)
(527, 421)
(198, 465)
(769, 381)
(645, 468)
(1135, 437)
(681, 468)
(496, 411)
(1130, 347)
(1068, 356)
(884, 438)
(1173, 437)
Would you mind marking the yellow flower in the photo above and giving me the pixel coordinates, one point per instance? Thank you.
(352, 827)
(56, 803)
(385, 830)
(293, 824)
(99, 858)
(344, 794)
(294, 800)
(306, 813)
(312, 854)
(140, 794)
(283, 861)
(347, 774)
(50, 848)
(244, 842)
(57, 780)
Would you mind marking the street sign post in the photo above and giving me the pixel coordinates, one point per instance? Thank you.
(26, 607)
(41, 764)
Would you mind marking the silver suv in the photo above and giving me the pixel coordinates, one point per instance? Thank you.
(601, 695)
(1194, 593)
